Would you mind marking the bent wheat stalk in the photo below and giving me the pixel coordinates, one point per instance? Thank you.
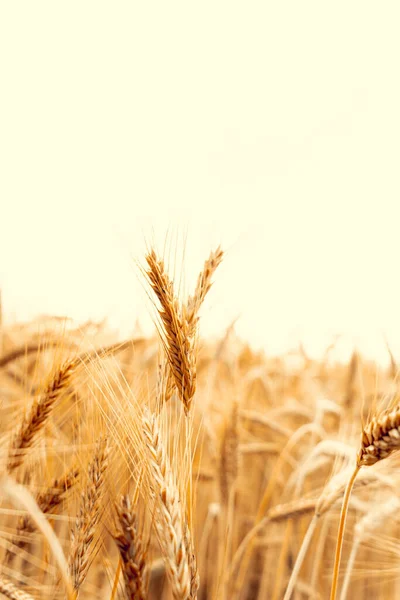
(47, 502)
(329, 496)
(19, 495)
(342, 524)
(25, 350)
(300, 557)
(293, 441)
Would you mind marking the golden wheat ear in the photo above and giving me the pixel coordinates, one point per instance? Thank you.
(39, 413)
(132, 550)
(203, 286)
(380, 437)
(83, 535)
(170, 520)
(178, 345)
(9, 590)
(179, 322)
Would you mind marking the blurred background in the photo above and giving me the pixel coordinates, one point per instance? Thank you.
(272, 128)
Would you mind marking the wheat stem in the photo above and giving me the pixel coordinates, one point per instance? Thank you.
(349, 568)
(342, 524)
(300, 557)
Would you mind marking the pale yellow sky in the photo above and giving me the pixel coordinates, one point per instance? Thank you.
(272, 127)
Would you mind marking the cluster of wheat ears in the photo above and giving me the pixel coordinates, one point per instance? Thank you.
(173, 467)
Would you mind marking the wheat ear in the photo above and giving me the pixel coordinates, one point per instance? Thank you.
(204, 283)
(170, 524)
(9, 590)
(178, 344)
(38, 414)
(380, 437)
(88, 517)
(131, 549)
(48, 501)
(342, 524)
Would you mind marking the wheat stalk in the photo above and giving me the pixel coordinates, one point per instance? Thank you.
(229, 455)
(329, 496)
(180, 323)
(21, 496)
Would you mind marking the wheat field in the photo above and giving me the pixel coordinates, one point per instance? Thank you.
(178, 467)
